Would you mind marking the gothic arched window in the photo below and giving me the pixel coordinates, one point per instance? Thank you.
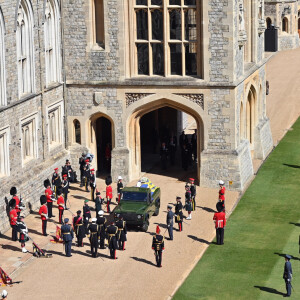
(99, 22)
(285, 25)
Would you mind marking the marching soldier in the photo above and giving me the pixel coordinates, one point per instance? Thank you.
(158, 246)
(56, 181)
(220, 223)
(178, 213)
(82, 164)
(79, 228)
(49, 196)
(287, 275)
(193, 193)
(86, 174)
(67, 236)
(44, 214)
(119, 188)
(222, 193)
(22, 228)
(112, 231)
(13, 216)
(101, 221)
(170, 216)
(109, 194)
(93, 236)
(92, 184)
(65, 188)
(61, 204)
(188, 202)
(122, 231)
(98, 202)
(86, 214)
(13, 192)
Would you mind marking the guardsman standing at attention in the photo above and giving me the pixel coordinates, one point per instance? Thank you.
(13, 192)
(179, 213)
(287, 275)
(170, 216)
(98, 203)
(44, 214)
(56, 181)
(22, 228)
(109, 194)
(188, 201)
(86, 214)
(79, 228)
(49, 196)
(222, 193)
(13, 216)
(193, 193)
(93, 233)
(61, 204)
(112, 231)
(122, 231)
(158, 245)
(220, 223)
(65, 188)
(92, 184)
(67, 236)
(101, 221)
(119, 188)
(86, 174)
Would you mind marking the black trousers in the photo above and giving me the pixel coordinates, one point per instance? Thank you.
(158, 257)
(121, 245)
(220, 236)
(102, 243)
(113, 254)
(66, 198)
(94, 249)
(68, 248)
(14, 233)
(92, 193)
(44, 227)
(288, 286)
(79, 242)
(49, 205)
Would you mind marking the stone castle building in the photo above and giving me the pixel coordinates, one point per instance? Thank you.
(80, 74)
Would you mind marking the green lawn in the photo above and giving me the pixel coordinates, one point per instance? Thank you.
(265, 224)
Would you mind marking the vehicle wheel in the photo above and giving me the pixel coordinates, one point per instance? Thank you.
(156, 213)
(145, 225)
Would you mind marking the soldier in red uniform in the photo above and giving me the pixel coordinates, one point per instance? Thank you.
(44, 214)
(220, 223)
(61, 204)
(49, 196)
(222, 193)
(13, 192)
(109, 194)
(13, 216)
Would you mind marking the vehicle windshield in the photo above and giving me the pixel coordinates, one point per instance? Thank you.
(134, 196)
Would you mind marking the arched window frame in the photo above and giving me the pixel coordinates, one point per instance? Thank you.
(268, 23)
(25, 48)
(3, 99)
(285, 25)
(52, 42)
(98, 17)
(77, 131)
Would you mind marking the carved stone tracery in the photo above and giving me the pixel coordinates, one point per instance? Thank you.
(242, 38)
(133, 97)
(196, 98)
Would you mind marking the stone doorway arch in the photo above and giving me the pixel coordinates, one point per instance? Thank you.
(133, 131)
(251, 115)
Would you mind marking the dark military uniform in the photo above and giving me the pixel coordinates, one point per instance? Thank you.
(67, 236)
(94, 234)
(119, 190)
(93, 186)
(188, 201)
(79, 229)
(82, 164)
(121, 236)
(158, 246)
(112, 231)
(193, 196)
(179, 215)
(101, 221)
(98, 204)
(56, 182)
(86, 216)
(287, 276)
(170, 216)
(65, 190)
(86, 176)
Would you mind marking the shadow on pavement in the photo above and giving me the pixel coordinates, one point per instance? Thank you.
(5, 237)
(198, 239)
(34, 231)
(207, 209)
(296, 224)
(11, 247)
(148, 262)
(283, 255)
(269, 290)
(292, 166)
(161, 225)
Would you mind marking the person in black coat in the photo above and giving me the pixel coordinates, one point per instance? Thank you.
(67, 236)
(112, 232)
(93, 232)
(170, 216)
(65, 188)
(86, 214)
(179, 213)
(287, 275)
(158, 246)
(56, 181)
(92, 184)
(98, 203)
(119, 188)
(122, 231)
(79, 228)
(101, 221)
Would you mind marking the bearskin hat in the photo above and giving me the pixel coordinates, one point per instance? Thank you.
(219, 206)
(47, 183)
(59, 190)
(12, 203)
(13, 191)
(43, 199)
(108, 180)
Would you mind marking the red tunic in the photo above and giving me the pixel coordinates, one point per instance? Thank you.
(17, 203)
(43, 210)
(13, 217)
(220, 219)
(109, 192)
(48, 193)
(222, 193)
(61, 202)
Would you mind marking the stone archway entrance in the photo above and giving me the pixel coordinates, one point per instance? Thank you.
(160, 120)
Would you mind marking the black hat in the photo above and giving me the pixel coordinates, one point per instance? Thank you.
(169, 206)
(78, 212)
(187, 185)
(43, 199)
(288, 256)
(98, 193)
(108, 180)
(47, 183)
(59, 190)
(178, 198)
(67, 161)
(12, 203)
(13, 191)
(219, 206)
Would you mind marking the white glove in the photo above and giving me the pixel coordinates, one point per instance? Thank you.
(87, 219)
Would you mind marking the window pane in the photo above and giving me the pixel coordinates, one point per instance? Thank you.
(142, 24)
(189, 2)
(157, 25)
(175, 2)
(190, 27)
(156, 2)
(175, 24)
(191, 59)
(143, 59)
(158, 59)
(141, 2)
(176, 59)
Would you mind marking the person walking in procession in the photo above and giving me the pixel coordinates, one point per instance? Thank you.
(101, 221)
(92, 184)
(79, 228)
(119, 188)
(67, 236)
(287, 275)
(170, 216)
(179, 213)
(193, 193)
(22, 228)
(86, 214)
(93, 233)
(56, 181)
(188, 202)
(158, 245)
(65, 189)
(122, 231)
(98, 203)
(112, 231)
